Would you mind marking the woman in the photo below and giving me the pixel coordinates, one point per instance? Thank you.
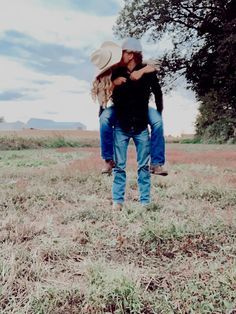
(101, 91)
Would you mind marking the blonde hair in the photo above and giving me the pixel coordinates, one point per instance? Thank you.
(102, 88)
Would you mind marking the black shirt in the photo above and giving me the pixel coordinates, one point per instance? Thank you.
(131, 98)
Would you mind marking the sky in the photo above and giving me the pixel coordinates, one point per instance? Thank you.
(45, 48)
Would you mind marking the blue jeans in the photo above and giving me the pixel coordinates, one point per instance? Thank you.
(142, 144)
(107, 122)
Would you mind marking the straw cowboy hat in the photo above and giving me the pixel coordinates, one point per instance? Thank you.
(106, 56)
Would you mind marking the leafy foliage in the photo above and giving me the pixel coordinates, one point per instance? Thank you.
(203, 34)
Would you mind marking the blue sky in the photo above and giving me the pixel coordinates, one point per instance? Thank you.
(44, 59)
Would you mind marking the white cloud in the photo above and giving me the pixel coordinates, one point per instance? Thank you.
(120, 2)
(51, 24)
(67, 97)
(70, 99)
(75, 107)
(179, 114)
(16, 76)
(69, 60)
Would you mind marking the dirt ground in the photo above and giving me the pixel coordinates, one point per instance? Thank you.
(220, 163)
(64, 249)
(223, 159)
(223, 156)
(175, 154)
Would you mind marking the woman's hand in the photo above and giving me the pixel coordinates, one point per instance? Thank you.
(119, 80)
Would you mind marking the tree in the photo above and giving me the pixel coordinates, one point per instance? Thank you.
(1, 119)
(203, 34)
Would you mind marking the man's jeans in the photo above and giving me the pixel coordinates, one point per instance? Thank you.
(142, 144)
(107, 122)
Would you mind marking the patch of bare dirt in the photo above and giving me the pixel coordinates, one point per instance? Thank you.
(66, 149)
(222, 159)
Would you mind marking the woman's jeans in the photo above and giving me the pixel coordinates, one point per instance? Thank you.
(107, 122)
(142, 144)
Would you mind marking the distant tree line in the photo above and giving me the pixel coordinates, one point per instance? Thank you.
(203, 33)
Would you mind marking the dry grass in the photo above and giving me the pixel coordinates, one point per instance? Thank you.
(34, 133)
(64, 250)
(36, 139)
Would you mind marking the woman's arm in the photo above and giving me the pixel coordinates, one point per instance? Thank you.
(152, 65)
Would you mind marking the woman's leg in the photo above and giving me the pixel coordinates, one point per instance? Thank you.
(157, 141)
(142, 144)
(107, 120)
(121, 141)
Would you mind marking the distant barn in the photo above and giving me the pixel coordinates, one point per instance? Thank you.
(18, 125)
(42, 124)
(45, 124)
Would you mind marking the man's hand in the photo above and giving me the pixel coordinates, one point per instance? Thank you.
(119, 80)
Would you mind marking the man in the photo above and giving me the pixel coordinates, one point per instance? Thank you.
(131, 100)
(101, 91)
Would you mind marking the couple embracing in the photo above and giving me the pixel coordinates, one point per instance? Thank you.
(123, 86)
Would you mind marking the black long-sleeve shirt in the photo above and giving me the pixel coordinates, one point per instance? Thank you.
(132, 97)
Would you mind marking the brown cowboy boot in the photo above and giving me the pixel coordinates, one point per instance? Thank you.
(159, 170)
(109, 165)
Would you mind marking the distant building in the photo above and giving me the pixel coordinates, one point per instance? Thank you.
(45, 124)
(42, 124)
(18, 125)
(186, 135)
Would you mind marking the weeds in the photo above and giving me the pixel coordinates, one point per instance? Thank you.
(112, 291)
(64, 250)
(21, 143)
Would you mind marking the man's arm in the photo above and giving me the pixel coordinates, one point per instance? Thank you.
(156, 89)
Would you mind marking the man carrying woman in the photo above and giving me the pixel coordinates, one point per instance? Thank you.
(107, 57)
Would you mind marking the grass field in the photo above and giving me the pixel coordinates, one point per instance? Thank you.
(64, 250)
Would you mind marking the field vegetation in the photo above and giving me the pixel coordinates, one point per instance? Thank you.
(65, 250)
(33, 138)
